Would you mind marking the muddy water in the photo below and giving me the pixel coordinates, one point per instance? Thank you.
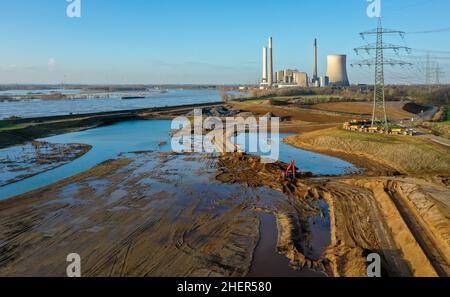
(107, 143)
(156, 215)
(267, 262)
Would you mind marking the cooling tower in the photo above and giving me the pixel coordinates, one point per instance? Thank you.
(337, 70)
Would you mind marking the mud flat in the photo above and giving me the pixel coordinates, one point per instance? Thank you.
(24, 161)
(145, 214)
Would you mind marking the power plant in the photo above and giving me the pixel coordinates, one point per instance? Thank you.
(336, 72)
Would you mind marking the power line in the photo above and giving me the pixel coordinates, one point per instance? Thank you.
(441, 30)
(379, 102)
(438, 73)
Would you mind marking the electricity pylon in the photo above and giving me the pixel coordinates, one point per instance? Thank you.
(438, 73)
(428, 73)
(379, 113)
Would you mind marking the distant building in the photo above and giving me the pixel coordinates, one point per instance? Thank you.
(280, 76)
(289, 78)
(324, 81)
(301, 79)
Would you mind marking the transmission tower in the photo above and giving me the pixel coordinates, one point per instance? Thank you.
(428, 73)
(379, 113)
(438, 73)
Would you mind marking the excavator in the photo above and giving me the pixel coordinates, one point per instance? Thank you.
(291, 172)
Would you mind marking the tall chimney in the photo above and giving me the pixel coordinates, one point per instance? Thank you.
(270, 63)
(264, 78)
(315, 61)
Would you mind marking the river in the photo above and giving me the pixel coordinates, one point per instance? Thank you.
(40, 108)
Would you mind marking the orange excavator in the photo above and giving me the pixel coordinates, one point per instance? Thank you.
(290, 173)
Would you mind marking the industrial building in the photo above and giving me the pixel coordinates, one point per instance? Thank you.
(293, 78)
(336, 72)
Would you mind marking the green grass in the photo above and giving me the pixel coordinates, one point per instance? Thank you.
(407, 154)
(447, 121)
(308, 99)
(5, 126)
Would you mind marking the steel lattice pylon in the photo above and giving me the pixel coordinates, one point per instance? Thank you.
(379, 103)
(379, 113)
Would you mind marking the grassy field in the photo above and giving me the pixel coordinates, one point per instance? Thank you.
(9, 127)
(394, 109)
(296, 113)
(304, 99)
(440, 126)
(447, 121)
(406, 154)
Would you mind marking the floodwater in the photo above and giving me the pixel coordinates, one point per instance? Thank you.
(39, 108)
(305, 161)
(38, 92)
(267, 263)
(111, 141)
(107, 143)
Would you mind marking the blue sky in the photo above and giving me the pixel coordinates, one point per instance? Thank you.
(199, 41)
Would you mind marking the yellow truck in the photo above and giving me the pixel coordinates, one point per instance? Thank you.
(401, 131)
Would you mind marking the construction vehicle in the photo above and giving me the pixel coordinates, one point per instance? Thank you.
(377, 128)
(355, 125)
(397, 131)
(290, 173)
(401, 131)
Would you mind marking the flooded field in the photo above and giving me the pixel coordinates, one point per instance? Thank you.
(110, 141)
(132, 194)
(40, 108)
(145, 214)
(23, 161)
(107, 143)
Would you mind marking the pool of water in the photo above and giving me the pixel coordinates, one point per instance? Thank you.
(110, 141)
(107, 143)
(305, 161)
(267, 263)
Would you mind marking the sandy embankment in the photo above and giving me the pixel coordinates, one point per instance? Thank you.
(404, 218)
